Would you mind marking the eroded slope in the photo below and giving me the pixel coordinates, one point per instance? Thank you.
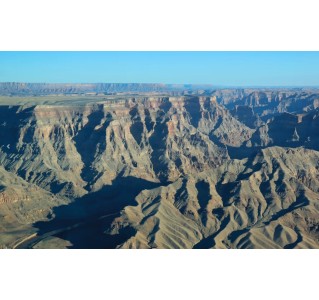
(157, 172)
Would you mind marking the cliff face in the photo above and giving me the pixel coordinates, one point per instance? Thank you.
(155, 171)
(85, 147)
(269, 102)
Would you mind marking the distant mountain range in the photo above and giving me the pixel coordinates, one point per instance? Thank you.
(19, 88)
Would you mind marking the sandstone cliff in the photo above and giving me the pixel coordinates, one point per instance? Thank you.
(158, 172)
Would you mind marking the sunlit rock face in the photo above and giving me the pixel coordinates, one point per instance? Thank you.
(223, 169)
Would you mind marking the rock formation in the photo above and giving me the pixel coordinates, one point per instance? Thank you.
(159, 171)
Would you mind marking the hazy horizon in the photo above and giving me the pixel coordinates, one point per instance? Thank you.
(174, 84)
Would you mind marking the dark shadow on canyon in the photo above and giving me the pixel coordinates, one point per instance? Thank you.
(91, 140)
(94, 212)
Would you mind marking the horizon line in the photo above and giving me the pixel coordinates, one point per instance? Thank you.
(168, 84)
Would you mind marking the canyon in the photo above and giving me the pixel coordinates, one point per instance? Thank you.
(158, 166)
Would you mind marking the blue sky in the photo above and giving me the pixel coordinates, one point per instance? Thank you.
(217, 68)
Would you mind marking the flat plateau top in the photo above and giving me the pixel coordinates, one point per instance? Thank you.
(67, 99)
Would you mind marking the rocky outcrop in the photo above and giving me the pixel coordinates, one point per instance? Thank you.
(267, 103)
(289, 130)
(158, 172)
(267, 201)
(247, 116)
(76, 148)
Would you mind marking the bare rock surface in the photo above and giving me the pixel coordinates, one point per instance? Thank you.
(222, 169)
